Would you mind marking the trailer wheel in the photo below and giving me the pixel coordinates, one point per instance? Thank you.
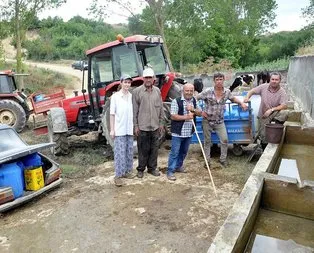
(61, 140)
(12, 114)
(237, 150)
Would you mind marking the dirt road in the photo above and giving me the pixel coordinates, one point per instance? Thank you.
(88, 213)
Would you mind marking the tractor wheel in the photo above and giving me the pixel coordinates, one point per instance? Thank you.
(167, 119)
(174, 91)
(12, 114)
(61, 140)
(106, 123)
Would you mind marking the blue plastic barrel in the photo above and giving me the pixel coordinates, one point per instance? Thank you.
(10, 176)
(22, 167)
(32, 160)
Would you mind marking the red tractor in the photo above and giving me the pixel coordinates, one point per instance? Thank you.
(14, 110)
(89, 111)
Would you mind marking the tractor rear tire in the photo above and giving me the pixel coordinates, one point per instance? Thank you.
(106, 123)
(174, 91)
(61, 140)
(12, 114)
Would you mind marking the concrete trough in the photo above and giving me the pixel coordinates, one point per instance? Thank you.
(274, 213)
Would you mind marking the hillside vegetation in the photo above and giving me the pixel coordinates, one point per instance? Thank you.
(69, 40)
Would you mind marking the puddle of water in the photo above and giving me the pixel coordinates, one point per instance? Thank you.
(264, 244)
(289, 168)
(297, 161)
(277, 232)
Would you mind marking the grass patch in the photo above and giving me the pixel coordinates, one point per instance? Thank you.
(68, 169)
(307, 50)
(279, 64)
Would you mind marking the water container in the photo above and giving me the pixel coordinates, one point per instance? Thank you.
(273, 133)
(10, 175)
(22, 167)
(39, 97)
(32, 160)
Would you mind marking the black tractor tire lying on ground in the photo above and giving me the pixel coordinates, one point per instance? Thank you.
(61, 140)
(13, 114)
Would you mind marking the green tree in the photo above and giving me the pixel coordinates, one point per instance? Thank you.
(21, 14)
(158, 9)
(308, 11)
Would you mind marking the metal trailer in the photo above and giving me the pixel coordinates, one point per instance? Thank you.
(240, 127)
(42, 102)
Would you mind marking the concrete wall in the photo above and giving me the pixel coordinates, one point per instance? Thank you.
(300, 82)
(229, 77)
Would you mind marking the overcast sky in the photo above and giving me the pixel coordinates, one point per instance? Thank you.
(288, 13)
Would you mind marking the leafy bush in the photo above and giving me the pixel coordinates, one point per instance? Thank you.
(280, 64)
(208, 66)
(69, 40)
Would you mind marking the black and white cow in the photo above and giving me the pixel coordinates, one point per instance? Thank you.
(198, 85)
(263, 77)
(242, 80)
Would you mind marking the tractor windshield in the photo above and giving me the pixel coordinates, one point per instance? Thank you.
(6, 84)
(109, 64)
(155, 58)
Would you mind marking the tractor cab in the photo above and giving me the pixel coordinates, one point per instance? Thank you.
(7, 82)
(124, 56)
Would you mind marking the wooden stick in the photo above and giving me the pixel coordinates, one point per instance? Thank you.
(210, 174)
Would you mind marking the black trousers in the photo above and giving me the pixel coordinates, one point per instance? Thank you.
(147, 144)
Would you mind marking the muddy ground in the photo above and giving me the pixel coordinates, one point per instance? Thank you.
(88, 213)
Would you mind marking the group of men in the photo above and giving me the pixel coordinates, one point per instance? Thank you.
(148, 122)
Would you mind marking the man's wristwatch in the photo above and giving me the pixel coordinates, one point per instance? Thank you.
(193, 110)
(272, 109)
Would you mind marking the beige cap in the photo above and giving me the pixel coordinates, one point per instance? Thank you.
(148, 72)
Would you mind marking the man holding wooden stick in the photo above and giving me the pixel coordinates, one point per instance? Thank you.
(183, 111)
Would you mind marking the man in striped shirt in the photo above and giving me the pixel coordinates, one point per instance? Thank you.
(273, 103)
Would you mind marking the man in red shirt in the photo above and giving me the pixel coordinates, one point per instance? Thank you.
(273, 103)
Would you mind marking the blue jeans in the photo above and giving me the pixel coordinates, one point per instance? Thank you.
(179, 150)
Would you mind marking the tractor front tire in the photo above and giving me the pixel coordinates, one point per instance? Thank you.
(12, 114)
(61, 140)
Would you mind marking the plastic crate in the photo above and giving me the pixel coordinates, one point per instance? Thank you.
(239, 124)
